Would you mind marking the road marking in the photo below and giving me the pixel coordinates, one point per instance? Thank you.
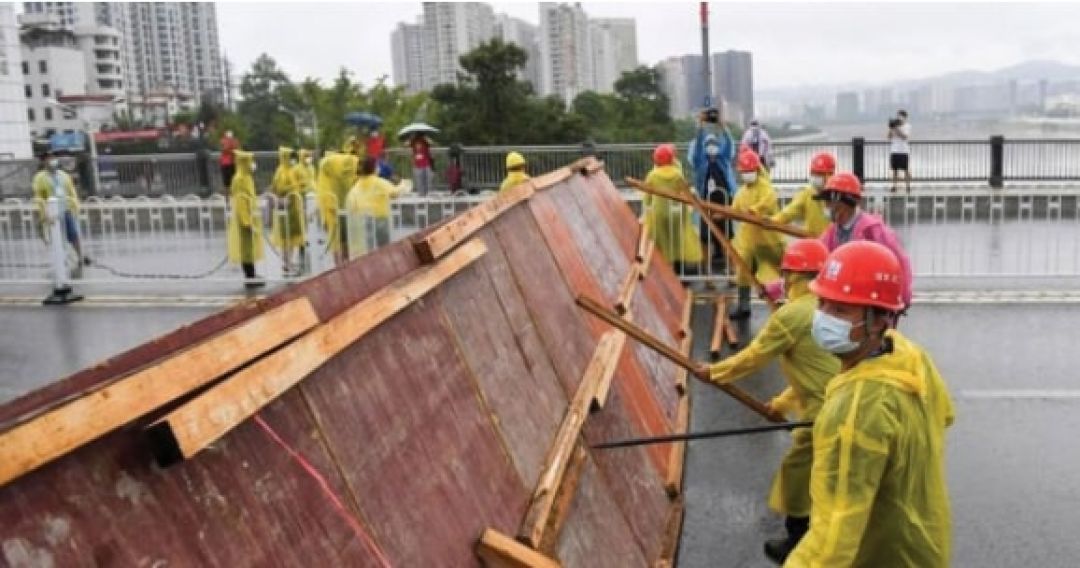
(1020, 394)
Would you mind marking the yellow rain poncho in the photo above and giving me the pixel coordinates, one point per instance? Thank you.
(288, 222)
(669, 222)
(304, 172)
(761, 249)
(807, 368)
(804, 208)
(513, 178)
(42, 186)
(245, 224)
(337, 174)
(368, 207)
(878, 478)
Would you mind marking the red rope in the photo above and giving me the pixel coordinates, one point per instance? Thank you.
(349, 518)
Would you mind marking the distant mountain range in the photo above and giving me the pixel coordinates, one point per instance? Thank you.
(1027, 71)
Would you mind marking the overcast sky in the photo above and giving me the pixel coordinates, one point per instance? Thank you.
(793, 43)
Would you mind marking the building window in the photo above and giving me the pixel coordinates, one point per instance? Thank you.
(47, 113)
(30, 114)
(25, 67)
(45, 90)
(43, 67)
(29, 91)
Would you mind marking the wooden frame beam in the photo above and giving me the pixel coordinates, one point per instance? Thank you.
(192, 427)
(497, 550)
(65, 428)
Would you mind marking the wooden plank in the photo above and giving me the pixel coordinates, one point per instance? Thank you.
(674, 356)
(715, 209)
(497, 550)
(49, 436)
(560, 511)
(730, 333)
(198, 423)
(555, 464)
(643, 241)
(604, 363)
(646, 262)
(688, 311)
(672, 536)
(627, 289)
(680, 378)
(437, 243)
(674, 478)
(718, 327)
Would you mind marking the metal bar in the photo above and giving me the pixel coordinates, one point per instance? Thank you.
(701, 435)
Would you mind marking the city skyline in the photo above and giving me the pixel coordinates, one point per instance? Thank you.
(836, 43)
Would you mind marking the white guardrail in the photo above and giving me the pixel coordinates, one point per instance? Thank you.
(955, 233)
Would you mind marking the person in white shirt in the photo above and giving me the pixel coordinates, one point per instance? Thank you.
(900, 148)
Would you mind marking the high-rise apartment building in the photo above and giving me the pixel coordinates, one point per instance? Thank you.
(524, 35)
(682, 79)
(450, 31)
(407, 54)
(565, 51)
(14, 127)
(614, 50)
(733, 83)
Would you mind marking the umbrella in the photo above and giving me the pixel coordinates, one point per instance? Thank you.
(417, 128)
(362, 118)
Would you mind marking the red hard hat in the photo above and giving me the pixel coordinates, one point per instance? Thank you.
(664, 155)
(804, 255)
(748, 162)
(863, 273)
(823, 163)
(845, 183)
(744, 147)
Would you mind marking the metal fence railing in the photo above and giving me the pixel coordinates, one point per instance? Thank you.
(995, 162)
(952, 233)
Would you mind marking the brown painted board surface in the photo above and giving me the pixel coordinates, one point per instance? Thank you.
(502, 349)
(403, 414)
(594, 524)
(246, 503)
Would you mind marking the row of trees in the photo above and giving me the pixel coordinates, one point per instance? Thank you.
(490, 105)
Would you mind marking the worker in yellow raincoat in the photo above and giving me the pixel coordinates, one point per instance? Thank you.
(304, 170)
(806, 367)
(877, 485)
(52, 181)
(669, 222)
(337, 174)
(368, 206)
(515, 171)
(803, 207)
(245, 223)
(759, 248)
(287, 227)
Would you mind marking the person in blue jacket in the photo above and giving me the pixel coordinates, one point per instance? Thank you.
(711, 155)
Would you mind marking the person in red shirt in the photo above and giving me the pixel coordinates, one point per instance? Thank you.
(229, 144)
(422, 163)
(375, 144)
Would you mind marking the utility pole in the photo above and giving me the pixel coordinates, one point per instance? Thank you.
(707, 63)
(228, 83)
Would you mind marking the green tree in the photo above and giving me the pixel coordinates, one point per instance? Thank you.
(260, 108)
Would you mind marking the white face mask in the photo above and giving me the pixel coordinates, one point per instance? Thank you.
(833, 334)
(54, 164)
(748, 177)
(253, 167)
(817, 182)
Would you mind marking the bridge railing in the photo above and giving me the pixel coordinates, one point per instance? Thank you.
(951, 233)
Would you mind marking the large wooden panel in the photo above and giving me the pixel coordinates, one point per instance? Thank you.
(596, 534)
(406, 420)
(246, 503)
(500, 345)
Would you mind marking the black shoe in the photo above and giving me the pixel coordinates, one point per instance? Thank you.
(251, 284)
(778, 549)
(739, 315)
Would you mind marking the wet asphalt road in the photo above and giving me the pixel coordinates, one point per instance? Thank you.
(1012, 454)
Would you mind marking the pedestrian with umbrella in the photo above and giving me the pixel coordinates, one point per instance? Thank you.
(416, 138)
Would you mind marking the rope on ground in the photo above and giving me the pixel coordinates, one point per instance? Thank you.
(150, 276)
(349, 517)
